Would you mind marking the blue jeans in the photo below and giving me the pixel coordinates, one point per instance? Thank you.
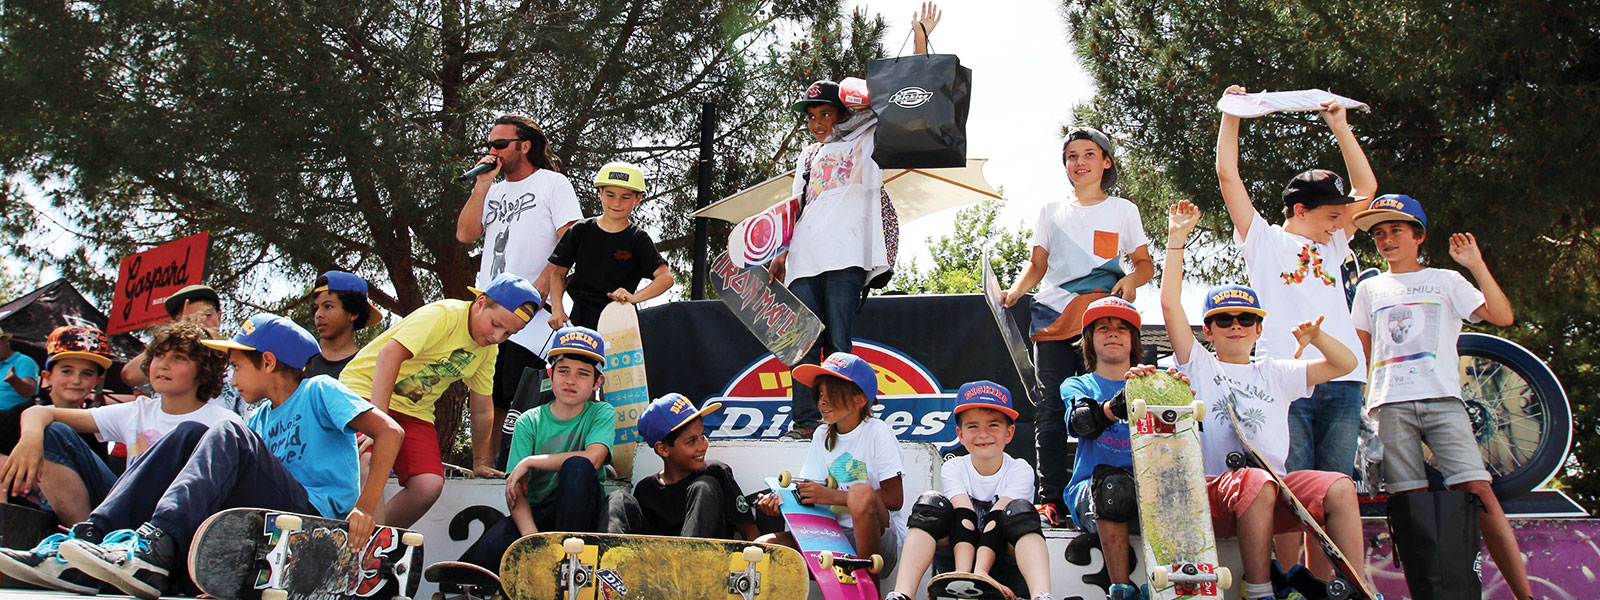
(65, 447)
(1324, 428)
(575, 507)
(834, 296)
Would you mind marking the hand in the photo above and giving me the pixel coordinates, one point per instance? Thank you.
(1334, 114)
(489, 175)
(621, 295)
(486, 471)
(1010, 595)
(361, 526)
(558, 318)
(1179, 375)
(769, 503)
(1140, 371)
(1124, 288)
(363, 443)
(1305, 333)
(516, 484)
(778, 267)
(11, 375)
(812, 492)
(1234, 89)
(1181, 219)
(1463, 248)
(924, 23)
(22, 469)
(1009, 298)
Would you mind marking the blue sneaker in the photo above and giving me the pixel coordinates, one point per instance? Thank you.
(43, 566)
(1127, 591)
(136, 561)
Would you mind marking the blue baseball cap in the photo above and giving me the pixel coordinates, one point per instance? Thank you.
(511, 291)
(984, 394)
(666, 414)
(843, 365)
(581, 341)
(268, 332)
(1391, 207)
(340, 281)
(1232, 298)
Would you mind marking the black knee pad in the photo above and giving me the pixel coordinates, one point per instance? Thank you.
(1019, 519)
(965, 529)
(932, 513)
(994, 535)
(1113, 493)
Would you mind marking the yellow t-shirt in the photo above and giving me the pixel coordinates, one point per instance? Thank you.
(442, 352)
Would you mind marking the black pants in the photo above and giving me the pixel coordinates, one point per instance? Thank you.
(575, 507)
(508, 366)
(1056, 360)
(704, 498)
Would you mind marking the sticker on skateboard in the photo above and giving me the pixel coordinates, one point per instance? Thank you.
(594, 566)
(252, 552)
(838, 570)
(761, 237)
(965, 586)
(768, 309)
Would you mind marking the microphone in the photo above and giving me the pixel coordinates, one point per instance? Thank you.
(476, 171)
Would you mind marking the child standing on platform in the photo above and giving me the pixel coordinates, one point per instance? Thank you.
(608, 254)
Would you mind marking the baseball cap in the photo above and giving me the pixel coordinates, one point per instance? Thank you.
(666, 414)
(4, 335)
(581, 341)
(1109, 180)
(843, 365)
(1317, 187)
(510, 291)
(268, 332)
(340, 281)
(1232, 298)
(1391, 207)
(984, 394)
(76, 341)
(1110, 306)
(174, 303)
(620, 174)
(823, 91)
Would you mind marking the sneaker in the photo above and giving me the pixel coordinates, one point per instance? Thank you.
(1126, 591)
(799, 434)
(43, 566)
(136, 561)
(1051, 515)
(896, 596)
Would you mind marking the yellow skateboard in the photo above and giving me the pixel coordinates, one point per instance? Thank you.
(595, 566)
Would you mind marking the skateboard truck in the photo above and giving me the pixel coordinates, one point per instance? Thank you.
(1189, 574)
(574, 574)
(1163, 419)
(829, 560)
(747, 583)
(784, 479)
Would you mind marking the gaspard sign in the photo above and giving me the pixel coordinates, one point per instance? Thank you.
(146, 279)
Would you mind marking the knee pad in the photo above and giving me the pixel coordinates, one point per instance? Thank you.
(1088, 420)
(1113, 493)
(994, 535)
(932, 513)
(1019, 519)
(965, 529)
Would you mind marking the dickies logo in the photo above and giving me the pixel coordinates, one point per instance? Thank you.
(622, 255)
(1221, 298)
(578, 337)
(910, 97)
(1388, 204)
(247, 327)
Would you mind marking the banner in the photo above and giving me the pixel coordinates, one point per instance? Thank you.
(147, 279)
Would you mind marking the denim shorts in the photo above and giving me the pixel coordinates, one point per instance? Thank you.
(1442, 424)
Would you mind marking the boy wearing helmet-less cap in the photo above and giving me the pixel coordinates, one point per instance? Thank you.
(691, 496)
(196, 304)
(341, 307)
(607, 254)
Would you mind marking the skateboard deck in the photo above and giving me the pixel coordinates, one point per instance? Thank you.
(759, 238)
(1016, 345)
(462, 581)
(1266, 103)
(829, 553)
(625, 385)
(964, 586)
(539, 567)
(1348, 582)
(257, 553)
(1180, 547)
(768, 309)
(22, 528)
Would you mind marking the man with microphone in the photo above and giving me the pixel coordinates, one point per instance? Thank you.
(520, 218)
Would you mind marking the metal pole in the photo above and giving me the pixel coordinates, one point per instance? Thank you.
(705, 166)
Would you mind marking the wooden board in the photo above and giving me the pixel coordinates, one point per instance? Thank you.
(1016, 344)
(625, 386)
(768, 309)
(643, 566)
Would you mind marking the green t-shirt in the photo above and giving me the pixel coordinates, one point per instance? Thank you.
(540, 432)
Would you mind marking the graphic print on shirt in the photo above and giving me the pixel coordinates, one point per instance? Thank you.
(1310, 264)
(846, 470)
(499, 265)
(1245, 399)
(833, 171)
(419, 384)
(506, 211)
(1411, 329)
(283, 439)
(1100, 267)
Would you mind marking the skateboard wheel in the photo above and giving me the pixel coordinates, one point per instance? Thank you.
(1158, 577)
(572, 545)
(1137, 410)
(752, 554)
(1339, 588)
(411, 538)
(877, 564)
(1224, 578)
(784, 479)
(825, 558)
(831, 483)
(287, 523)
(1199, 409)
(438, 596)
(275, 595)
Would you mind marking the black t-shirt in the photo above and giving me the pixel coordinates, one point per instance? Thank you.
(602, 261)
(322, 366)
(664, 506)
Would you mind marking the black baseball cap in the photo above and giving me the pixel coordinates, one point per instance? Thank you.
(823, 91)
(1317, 187)
(1109, 180)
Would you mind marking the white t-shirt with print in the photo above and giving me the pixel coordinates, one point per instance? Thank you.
(1414, 320)
(1299, 280)
(141, 423)
(1261, 393)
(1082, 241)
(1013, 480)
(520, 219)
(870, 453)
(842, 224)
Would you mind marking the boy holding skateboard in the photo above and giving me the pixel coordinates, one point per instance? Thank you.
(1078, 247)
(1416, 391)
(986, 481)
(341, 307)
(691, 496)
(405, 369)
(610, 254)
(558, 450)
(297, 454)
(1245, 501)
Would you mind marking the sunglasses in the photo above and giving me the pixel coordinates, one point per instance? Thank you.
(501, 143)
(1246, 320)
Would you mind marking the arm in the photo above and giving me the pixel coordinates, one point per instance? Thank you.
(522, 515)
(542, 282)
(1336, 359)
(596, 453)
(1496, 307)
(1366, 344)
(132, 374)
(661, 281)
(1144, 270)
(386, 371)
(922, 25)
(1362, 181)
(386, 436)
(24, 386)
(558, 288)
(469, 224)
(1234, 194)
(1038, 263)
(1181, 219)
(22, 468)
(481, 407)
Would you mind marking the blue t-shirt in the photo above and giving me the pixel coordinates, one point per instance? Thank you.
(25, 368)
(310, 434)
(1111, 448)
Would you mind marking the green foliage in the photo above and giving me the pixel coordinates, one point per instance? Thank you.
(957, 258)
(15, 281)
(1485, 112)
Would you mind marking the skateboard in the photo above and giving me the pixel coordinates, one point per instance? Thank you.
(258, 553)
(1266, 103)
(594, 566)
(1348, 582)
(462, 581)
(1180, 547)
(768, 309)
(625, 386)
(964, 586)
(21, 528)
(1016, 346)
(831, 555)
(759, 238)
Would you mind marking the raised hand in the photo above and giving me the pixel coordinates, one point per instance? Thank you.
(1334, 114)
(928, 19)
(1305, 333)
(1464, 249)
(1181, 219)
(1234, 89)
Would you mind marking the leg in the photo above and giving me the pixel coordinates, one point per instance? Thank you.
(1112, 504)
(415, 497)
(1245, 503)
(1057, 360)
(1020, 524)
(1331, 500)
(231, 467)
(803, 414)
(1302, 432)
(420, 471)
(1255, 535)
(1448, 432)
(623, 514)
(486, 552)
(781, 537)
(134, 497)
(868, 517)
(578, 497)
(704, 517)
(65, 491)
(1337, 426)
(72, 477)
(932, 519)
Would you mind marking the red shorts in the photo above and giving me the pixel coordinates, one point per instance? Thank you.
(419, 452)
(1232, 493)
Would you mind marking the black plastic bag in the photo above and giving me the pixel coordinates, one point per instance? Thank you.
(1436, 541)
(921, 102)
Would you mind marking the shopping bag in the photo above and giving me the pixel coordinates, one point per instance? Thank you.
(921, 102)
(1436, 541)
